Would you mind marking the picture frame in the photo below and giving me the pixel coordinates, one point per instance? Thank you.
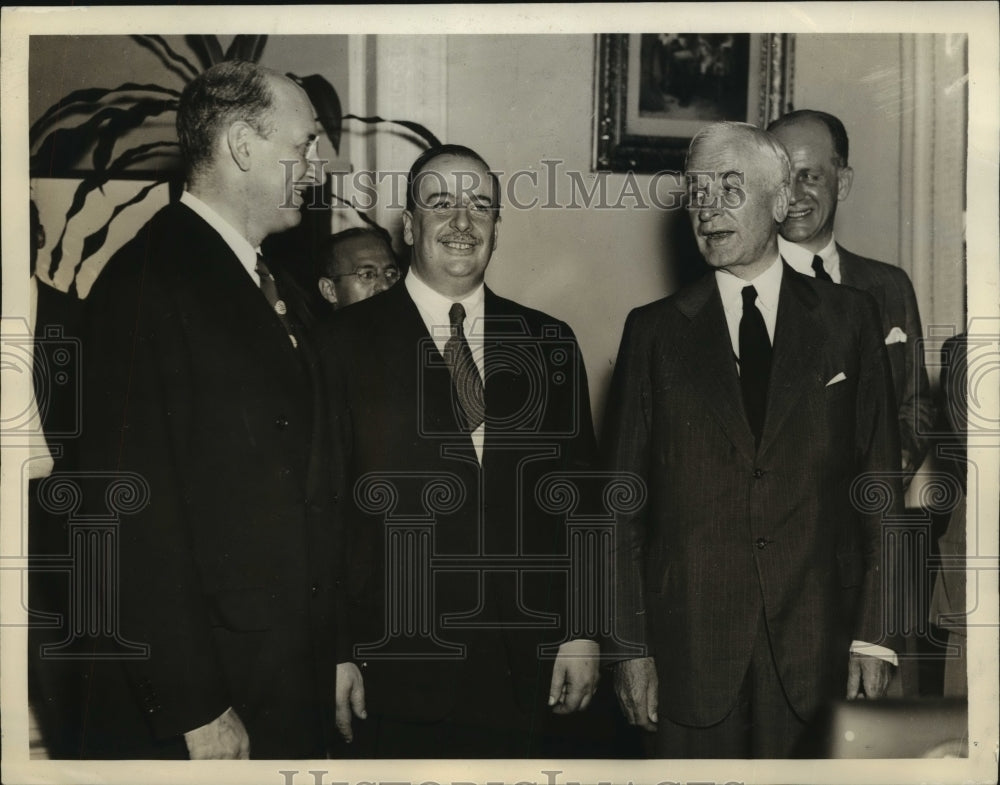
(653, 91)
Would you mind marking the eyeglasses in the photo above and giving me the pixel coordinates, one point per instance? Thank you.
(372, 274)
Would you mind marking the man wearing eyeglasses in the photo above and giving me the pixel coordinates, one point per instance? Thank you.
(454, 405)
(356, 264)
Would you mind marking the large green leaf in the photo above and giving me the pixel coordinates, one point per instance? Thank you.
(207, 48)
(93, 242)
(132, 118)
(88, 100)
(64, 147)
(170, 59)
(246, 47)
(96, 180)
(430, 139)
(326, 102)
(362, 215)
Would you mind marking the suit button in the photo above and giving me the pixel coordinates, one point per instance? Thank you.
(281, 422)
(758, 473)
(314, 589)
(761, 543)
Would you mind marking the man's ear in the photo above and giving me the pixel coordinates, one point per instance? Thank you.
(328, 290)
(238, 139)
(407, 227)
(780, 209)
(845, 177)
(496, 231)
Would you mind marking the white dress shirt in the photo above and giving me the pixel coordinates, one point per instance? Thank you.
(240, 246)
(801, 259)
(768, 286)
(434, 307)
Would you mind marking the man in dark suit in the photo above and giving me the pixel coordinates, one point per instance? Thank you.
(201, 386)
(454, 406)
(749, 402)
(817, 145)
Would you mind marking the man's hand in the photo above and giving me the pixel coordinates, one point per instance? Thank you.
(867, 676)
(574, 677)
(350, 698)
(637, 685)
(224, 738)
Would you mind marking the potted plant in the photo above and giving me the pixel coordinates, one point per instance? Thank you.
(87, 125)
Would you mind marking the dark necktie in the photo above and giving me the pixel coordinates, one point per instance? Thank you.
(465, 377)
(821, 273)
(270, 290)
(755, 362)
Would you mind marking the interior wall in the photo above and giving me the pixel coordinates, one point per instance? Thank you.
(857, 77)
(523, 100)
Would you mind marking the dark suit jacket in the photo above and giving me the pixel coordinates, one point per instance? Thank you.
(191, 383)
(729, 532)
(397, 422)
(897, 306)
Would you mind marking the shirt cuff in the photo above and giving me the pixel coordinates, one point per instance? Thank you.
(873, 650)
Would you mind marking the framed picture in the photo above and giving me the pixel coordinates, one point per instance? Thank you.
(653, 91)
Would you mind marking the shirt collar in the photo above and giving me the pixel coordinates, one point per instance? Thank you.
(434, 306)
(800, 259)
(239, 245)
(767, 284)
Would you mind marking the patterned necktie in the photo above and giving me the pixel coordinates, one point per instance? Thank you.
(270, 290)
(821, 273)
(755, 362)
(467, 383)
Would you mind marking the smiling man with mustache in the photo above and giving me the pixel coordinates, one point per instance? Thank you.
(749, 402)
(438, 383)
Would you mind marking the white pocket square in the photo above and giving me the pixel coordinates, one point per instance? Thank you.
(895, 336)
(838, 378)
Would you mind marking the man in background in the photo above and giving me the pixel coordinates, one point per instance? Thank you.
(453, 404)
(817, 145)
(356, 264)
(749, 402)
(201, 388)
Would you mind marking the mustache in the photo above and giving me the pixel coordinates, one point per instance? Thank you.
(460, 238)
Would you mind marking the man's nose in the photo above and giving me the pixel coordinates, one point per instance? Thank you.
(711, 208)
(460, 217)
(381, 284)
(314, 166)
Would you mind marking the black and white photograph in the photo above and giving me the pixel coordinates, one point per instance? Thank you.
(452, 394)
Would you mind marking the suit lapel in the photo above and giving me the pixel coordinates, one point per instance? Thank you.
(853, 273)
(435, 395)
(798, 336)
(510, 371)
(708, 354)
